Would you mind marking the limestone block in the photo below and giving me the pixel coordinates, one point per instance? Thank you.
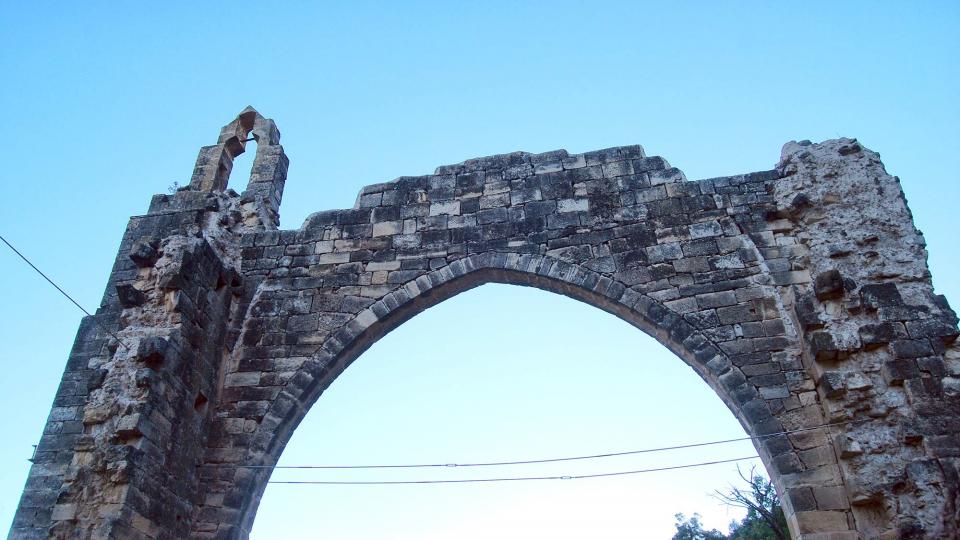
(821, 521)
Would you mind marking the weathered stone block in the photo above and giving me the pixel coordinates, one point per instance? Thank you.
(129, 296)
(387, 228)
(144, 252)
(152, 350)
(880, 295)
(717, 299)
(801, 499)
(933, 328)
(833, 384)
(828, 285)
(896, 371)
(738, 314)
(807, 313)
(911, 348)
(826, 346)
(874, 335)
(791, 278)
(573, 205)
(822, 521)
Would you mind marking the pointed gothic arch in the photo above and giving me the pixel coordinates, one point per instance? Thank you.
(432, 288)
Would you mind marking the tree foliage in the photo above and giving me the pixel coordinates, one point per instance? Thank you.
(764, 519)
(692, 529)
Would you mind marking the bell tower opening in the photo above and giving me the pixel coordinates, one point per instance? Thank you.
(243, 164)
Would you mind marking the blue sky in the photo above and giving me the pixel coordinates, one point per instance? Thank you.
(106, 104)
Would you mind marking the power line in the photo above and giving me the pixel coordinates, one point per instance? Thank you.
(508, 479)
(537, 461)
(63, 292)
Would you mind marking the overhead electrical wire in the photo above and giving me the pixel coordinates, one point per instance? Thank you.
(509, 478)
(64, 293)
(528, 462)
(535, 461)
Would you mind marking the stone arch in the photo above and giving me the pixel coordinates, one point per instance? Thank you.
(800, 294)
(554, 275)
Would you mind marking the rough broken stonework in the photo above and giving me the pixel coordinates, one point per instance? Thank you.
(801, 295)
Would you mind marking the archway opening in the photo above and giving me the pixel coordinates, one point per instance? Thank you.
(243, 165)
(503, 373)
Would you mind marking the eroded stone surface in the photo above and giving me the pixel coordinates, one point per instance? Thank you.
(800, 294)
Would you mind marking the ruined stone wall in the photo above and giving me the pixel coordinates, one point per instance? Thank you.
(881, 343)
(799, 294)
(119, 454)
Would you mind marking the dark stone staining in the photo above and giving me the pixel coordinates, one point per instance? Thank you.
(848, 149)
(911, 348)
(949, 316)
(828, 285)
(129, 296)
(823, 346)
(880, 295)
(833, 384)
(808, 314)
(200, 403)
(943, 330)
(144, 252)
(875, 335)
(152, 351)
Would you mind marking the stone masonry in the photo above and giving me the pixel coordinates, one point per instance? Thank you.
(800, 294)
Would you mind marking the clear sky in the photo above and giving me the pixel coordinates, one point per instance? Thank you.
(105, 104)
